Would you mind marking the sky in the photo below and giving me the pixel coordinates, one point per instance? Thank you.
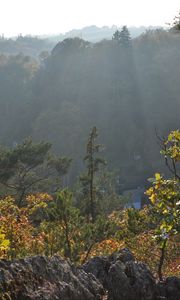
(37, 17)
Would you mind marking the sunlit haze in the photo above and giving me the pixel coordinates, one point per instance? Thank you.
(58, 16)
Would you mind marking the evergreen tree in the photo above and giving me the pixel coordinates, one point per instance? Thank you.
(28, 167)
(176, 23)
(93, 165)
(124, 37)
(116, 36)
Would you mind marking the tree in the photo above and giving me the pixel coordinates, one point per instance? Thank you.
(171, 152)
(176, 23)
(4, 242)
(19, 236)
(93, 165)
(26, 167)
(116, 36)
(124, 37)
(94, 233)
(165, 195)
(64, 224)
(61, 165)
(108, 199)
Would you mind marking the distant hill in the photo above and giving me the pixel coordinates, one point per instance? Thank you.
(34, 45)
(28, 45)
(96, 34)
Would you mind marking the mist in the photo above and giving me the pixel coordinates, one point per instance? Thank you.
(129, 91)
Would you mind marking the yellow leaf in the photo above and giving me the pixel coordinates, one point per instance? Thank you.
(157, 176)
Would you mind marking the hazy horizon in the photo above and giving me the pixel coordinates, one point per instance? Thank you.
(54, 17)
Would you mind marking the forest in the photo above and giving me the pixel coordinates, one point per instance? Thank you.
(82, 126)
(128, 93)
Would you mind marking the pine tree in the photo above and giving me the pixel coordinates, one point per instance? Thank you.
(116, 36)
(124, 37)
(93, 164)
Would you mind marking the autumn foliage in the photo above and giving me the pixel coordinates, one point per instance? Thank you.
(52, 225)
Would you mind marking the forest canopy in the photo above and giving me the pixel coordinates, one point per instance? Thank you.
(127, 92)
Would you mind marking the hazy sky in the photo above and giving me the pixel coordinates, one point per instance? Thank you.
(55, 16)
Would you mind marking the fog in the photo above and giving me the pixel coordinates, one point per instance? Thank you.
(129, 89)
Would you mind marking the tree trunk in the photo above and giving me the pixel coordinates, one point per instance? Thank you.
(68, 243)
(161, 261)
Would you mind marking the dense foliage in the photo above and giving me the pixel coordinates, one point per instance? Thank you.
(53, 224)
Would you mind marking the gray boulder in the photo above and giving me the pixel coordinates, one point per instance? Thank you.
(119, 275)
(130, 281)
(169, 289)
(126, 279)
(122, 276)
(41, 278)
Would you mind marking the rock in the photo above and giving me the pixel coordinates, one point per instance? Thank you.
(99, 267)
(126, 279)
(123, 278)
(44, 278)
(123, 255)
(169, 289)
(172, 288)
(118, 283)
(129, 281)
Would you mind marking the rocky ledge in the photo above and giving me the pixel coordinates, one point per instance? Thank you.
(123, 278)
(126, 279)
(42, 278)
